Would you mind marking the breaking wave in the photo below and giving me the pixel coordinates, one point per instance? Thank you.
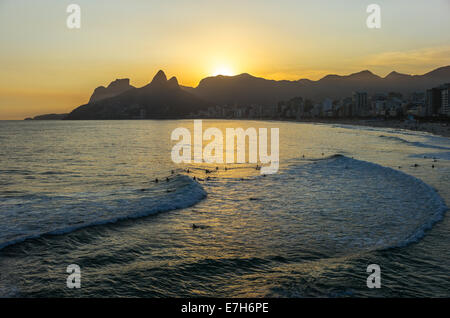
(28, 216)
(352, 205)
(413, 143)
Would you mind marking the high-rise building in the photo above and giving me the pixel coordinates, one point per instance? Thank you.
(433, 101)
(437, 100)
(445, 107)
(359, 100)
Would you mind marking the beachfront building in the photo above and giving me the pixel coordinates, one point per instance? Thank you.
(379, 107)
(300, 110)
(437, 100)
(316, 111)
(433, 101)
(416, 104)
(395, 106)
(327, 107)
(359, 104)
(270, 111)
(378, 104)
(445, 107)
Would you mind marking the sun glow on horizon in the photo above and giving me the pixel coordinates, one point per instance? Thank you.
(223, 70)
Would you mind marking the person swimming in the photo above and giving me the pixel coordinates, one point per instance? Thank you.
(195, 226)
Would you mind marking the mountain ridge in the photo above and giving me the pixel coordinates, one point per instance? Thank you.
(114, 88)
(163, 98)
(245, 88)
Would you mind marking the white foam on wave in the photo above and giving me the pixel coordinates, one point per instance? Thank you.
(344, 205)
(404, 132)
(414, 143)
(31, 219)
(432, 155)
(429, 206)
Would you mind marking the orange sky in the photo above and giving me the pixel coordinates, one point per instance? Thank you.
(47, 68)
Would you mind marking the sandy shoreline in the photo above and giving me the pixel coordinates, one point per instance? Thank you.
(436, 128)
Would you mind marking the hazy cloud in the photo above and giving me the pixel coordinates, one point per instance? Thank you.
(426, 58)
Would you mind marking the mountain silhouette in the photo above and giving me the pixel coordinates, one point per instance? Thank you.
(114, 88)
(161, 98)
(397, 76)
(48, 117)
(441, 73)
(245, 89)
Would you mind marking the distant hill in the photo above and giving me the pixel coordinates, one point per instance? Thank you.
(163, 98)
(160, 99)
(114, 88)
(48, 117)
(246, 89)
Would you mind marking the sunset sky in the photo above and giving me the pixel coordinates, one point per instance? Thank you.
(47, 68)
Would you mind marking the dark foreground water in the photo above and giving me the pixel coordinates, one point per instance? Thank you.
(344, 197)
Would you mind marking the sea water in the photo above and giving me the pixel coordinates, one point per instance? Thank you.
(84, 192)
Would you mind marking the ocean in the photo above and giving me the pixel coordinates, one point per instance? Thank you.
(83, 192)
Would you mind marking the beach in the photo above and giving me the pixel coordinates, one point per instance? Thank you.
(435, 128)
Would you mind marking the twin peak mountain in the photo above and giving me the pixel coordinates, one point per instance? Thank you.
(164, 99)
(122, 85)
(160, 99)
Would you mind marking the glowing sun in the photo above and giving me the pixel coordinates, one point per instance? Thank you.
(223, 70)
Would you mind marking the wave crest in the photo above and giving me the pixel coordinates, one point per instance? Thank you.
(30, 218)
